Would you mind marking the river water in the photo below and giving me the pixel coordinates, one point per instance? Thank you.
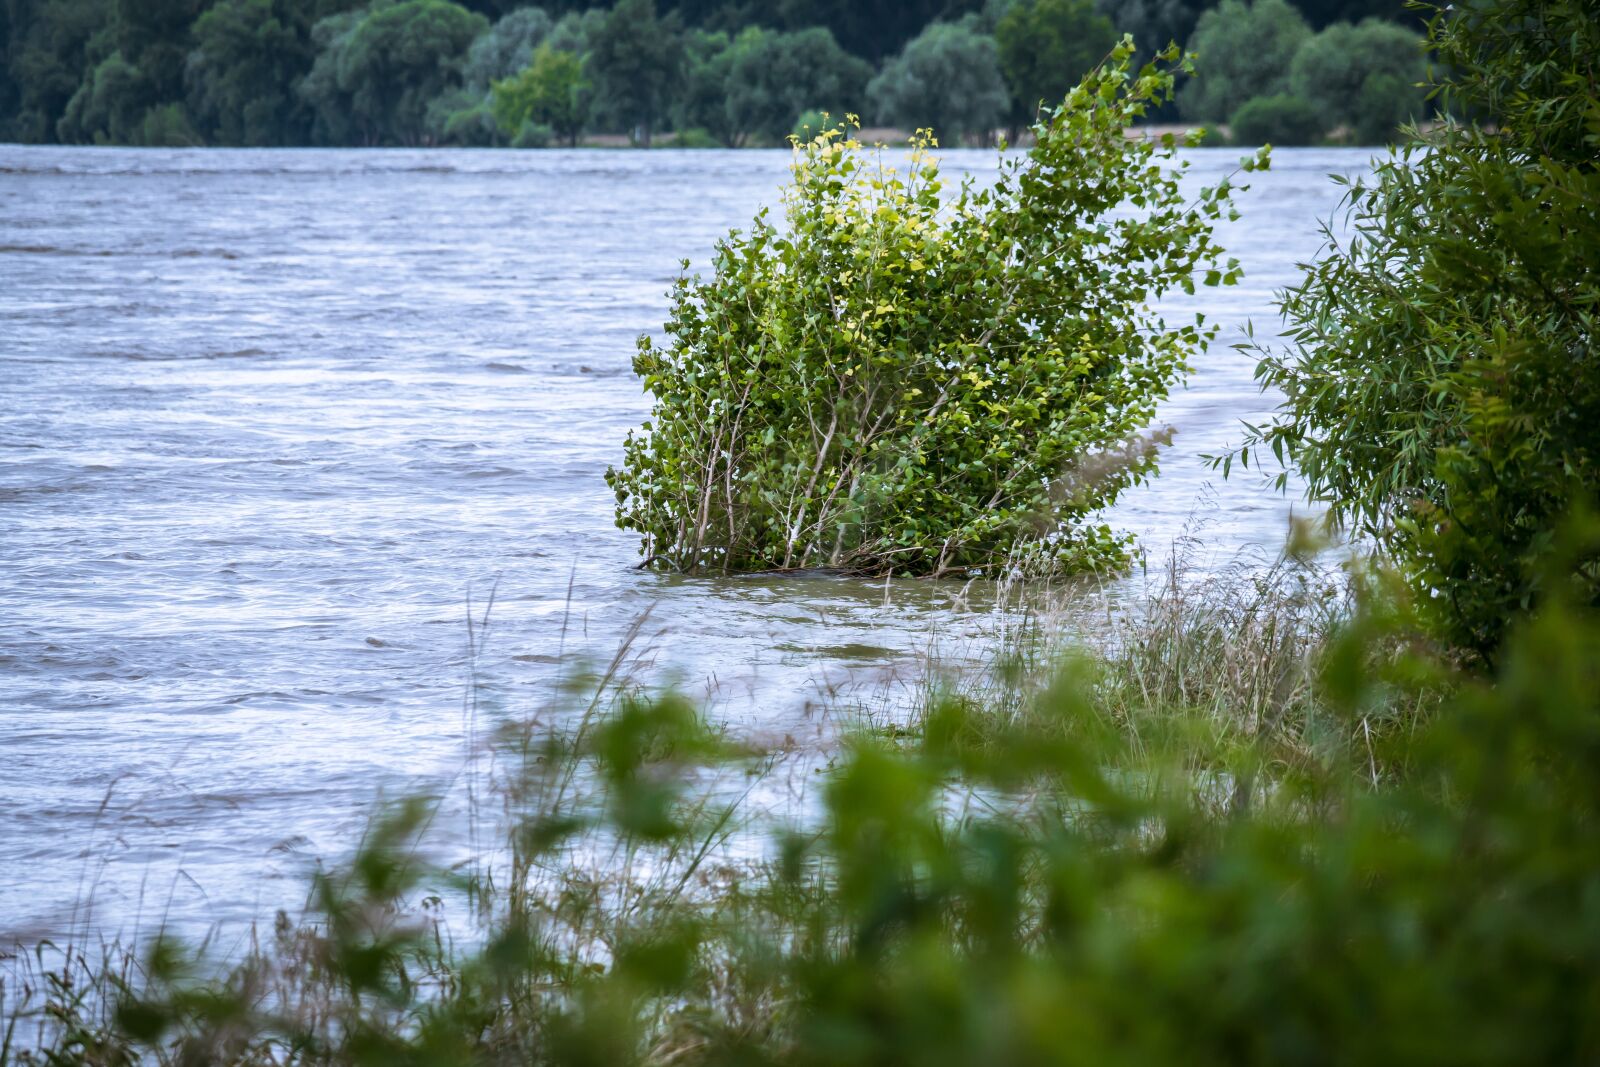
(271, 420)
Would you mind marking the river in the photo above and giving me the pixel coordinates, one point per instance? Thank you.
(270, 420)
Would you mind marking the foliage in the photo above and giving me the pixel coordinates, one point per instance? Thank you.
(773, 77)
(901, 381)
(50, 51)
(1279, 120)
(1246, 49)
(872, 29)
(755, 85)
(810, 124)
(108, 106)
(1157, 23)
(240, 75)
(947, 79)
(552, 92)
(267, 72)
(1068, 886)
(1367, 77)
(1045, 46)
(398, 58)
(637, 59)
(701, 101)
(1440, 386)
(320, 88)
(505, 48)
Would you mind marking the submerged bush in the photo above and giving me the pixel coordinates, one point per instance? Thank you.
(1441, 388)
(1282, 119)
(904, 381)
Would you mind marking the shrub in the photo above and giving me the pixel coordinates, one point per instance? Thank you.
(694, 137)
(900, 381)
(1441, 391)
(533, 135)
(1282, 119)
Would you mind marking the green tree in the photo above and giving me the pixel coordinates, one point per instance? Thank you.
(1245, 50)
(1368, 77)
(1045, 46)
(872, 29)
(1441, 391)
(153, 35)
(702, 98)
(333, 121)
(108, 107)
(465, 115)
(378, 71)
(637, 60)
(51, 49)
(1154, 24)
(240, 74)
(905, 380)
(551, 91)
(773, 77)
(131, 90)
(506, 48)
(946, 79)
(574, 31)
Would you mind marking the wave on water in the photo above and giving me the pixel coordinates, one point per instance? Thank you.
(136, 253)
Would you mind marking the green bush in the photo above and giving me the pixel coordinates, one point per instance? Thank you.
(694, 137)
(1281, 120)
(1441, 391)
(902, 381)
(533, 135)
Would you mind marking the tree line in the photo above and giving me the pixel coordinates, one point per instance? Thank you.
(714, 72)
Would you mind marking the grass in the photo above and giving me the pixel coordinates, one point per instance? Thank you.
(1258, 823)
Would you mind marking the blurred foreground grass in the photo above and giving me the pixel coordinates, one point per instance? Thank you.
(1263, 824)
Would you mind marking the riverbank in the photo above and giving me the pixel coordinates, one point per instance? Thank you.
(1260, 814)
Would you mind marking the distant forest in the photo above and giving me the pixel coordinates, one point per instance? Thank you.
(693, 72)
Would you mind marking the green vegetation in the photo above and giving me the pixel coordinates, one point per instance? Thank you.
(420, 72)
(1354, 855)
(1441, 392)
(947, 79)
(1046, 46)
(1268, 820)
(1368, 78)
(1280, 120)
(551, 91)
(1247, 48)
(899, 381)
(1262, 64)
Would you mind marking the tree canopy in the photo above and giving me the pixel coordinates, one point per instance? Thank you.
(367, 72)
(947, 79)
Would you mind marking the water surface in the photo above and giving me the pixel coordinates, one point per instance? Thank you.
(271, 419)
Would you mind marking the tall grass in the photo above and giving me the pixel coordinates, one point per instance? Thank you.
(1258, 824)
